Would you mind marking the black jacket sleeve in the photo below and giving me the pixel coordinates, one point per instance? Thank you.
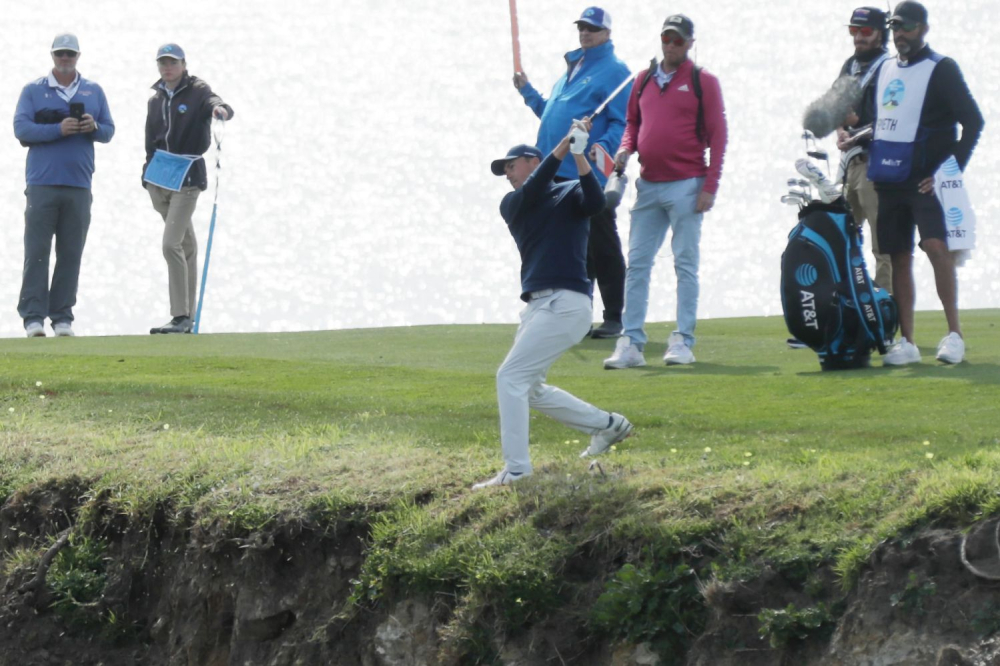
(949, 86)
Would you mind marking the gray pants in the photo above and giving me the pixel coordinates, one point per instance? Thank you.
(63, 212)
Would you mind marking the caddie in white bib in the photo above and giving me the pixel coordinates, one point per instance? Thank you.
(899, 100)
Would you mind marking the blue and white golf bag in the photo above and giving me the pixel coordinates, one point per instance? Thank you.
(830, 302)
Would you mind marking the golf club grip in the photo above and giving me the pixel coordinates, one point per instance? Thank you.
(515, 37)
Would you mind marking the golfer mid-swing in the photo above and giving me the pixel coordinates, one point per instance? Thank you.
(550, 223)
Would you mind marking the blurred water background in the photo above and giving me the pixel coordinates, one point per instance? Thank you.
(356, 189)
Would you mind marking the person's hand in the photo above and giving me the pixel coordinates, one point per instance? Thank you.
(87, 124)
(220, 113)
(621, 159)
(520, 80)
(926, 186)
(69, 126)
(705, 202)
(844, 139)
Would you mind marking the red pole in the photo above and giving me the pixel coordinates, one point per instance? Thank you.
(515, 41)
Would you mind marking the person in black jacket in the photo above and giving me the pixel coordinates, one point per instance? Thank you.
(178, 133)
(869, 32)
(920, 99)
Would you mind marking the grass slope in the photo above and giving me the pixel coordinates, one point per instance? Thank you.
(751, 456)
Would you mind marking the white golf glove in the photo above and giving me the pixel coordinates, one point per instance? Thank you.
(578, 143)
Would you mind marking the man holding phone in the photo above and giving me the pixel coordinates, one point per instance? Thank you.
(58, 119)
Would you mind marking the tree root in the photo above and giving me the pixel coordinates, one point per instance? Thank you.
(38, 582)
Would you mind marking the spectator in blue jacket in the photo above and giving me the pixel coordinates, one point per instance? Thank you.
(58, 118)
(592, 74)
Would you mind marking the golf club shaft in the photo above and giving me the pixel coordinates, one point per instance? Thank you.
(614, 93)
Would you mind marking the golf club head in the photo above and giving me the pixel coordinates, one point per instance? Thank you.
(818, 154)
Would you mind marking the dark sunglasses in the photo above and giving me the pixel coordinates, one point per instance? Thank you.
(65, 54)
(864, 31)
(676, 41)
(587, 27)
(899, 26)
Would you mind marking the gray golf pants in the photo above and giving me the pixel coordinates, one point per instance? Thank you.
(180, 247)
(62, 212)
(552, 322)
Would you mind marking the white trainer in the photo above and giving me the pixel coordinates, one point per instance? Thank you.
(34, 330)
(951, 349)
(626, 355)
(63, 329)
(503, 478)
(678, 353)
(902, 353)
(602, 440)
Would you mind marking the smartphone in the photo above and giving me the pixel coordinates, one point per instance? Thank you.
(76, 110)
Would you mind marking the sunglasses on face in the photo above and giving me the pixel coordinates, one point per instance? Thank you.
(676, 40)
(864, 31)
(586, 27)
(65, 54)
(899, 26)
(166, 62)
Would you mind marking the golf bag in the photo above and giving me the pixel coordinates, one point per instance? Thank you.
(830, 302)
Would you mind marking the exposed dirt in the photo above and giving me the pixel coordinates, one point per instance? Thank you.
(193, 595)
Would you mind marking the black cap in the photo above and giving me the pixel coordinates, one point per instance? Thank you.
(909, 11)
(520, 150)
(680, 24)
(868, 17)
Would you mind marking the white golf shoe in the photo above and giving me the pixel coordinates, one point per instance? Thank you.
(35, 330)
(678, 353)
(951, 349)
(602, 440)
(626, 355)
(503, 478)
(63, 329)
(902, 353)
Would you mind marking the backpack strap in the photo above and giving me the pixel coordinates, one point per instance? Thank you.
(699, 125)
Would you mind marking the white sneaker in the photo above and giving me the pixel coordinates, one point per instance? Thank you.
(678, 353)
(901, 353)
(951, 349)
(35, 330)
(626, 355)
(602, 440)
(504, 478)
(63, 329)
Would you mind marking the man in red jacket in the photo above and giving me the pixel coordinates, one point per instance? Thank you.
(675, 112)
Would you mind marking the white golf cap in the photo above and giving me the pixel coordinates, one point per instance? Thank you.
(65, 42)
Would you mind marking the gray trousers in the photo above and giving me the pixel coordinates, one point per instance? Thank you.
(63, 212)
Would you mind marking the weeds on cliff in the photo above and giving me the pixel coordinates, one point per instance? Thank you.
(77, 579)
(780, 626)
(986, 621)
(662, 605)
(912, 598)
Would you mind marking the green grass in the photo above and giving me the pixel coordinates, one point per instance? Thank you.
(751, 456)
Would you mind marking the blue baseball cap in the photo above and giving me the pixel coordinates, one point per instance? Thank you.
(170, 51)
(595, 16)
(520, 150)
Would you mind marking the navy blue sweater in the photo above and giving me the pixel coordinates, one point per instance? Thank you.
(550, 224)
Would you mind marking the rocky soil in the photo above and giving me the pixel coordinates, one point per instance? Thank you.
(182, 593)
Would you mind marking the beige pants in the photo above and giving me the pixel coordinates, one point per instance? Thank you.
(863, 199)
(180, 248)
